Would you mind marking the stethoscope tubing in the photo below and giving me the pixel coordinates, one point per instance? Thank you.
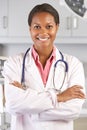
(23, 67)
(55, 65)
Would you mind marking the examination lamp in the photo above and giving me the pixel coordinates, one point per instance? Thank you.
(79, 7)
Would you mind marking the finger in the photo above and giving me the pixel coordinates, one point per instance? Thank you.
(78, 89)
(16, 83)
(79, 95)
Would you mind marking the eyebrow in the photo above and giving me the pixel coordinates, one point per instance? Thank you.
(46, 23)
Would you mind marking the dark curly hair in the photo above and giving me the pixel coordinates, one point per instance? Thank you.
(43, 8)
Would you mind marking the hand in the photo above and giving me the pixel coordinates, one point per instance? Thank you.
(71, 93)
(16, 84)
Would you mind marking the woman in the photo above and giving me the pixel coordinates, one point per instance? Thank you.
(51, 100)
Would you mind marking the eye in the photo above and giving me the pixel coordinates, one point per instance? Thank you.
(37, 27)
(49, 26)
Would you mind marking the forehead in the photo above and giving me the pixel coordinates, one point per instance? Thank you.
(43, 17)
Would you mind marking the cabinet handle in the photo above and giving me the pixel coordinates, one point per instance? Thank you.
(75, 23)
(5, 22)
(68, 23)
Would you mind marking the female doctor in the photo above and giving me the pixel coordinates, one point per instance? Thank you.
(44, 88)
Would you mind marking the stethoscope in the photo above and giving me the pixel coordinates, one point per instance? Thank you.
(55, 65)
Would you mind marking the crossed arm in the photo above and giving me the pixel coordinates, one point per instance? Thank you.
(70, 93)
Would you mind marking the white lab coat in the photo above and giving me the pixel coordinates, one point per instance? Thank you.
(37, 108)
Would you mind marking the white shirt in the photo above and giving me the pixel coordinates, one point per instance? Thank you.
(37, 108)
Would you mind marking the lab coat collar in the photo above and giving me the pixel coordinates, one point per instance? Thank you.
(29, 56)
(58, 56)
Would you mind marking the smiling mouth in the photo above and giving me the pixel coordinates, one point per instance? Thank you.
(43, 39)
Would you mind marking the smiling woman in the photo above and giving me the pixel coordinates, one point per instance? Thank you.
(41, 105)
(43, 23)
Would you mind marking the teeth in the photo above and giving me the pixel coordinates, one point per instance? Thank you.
(43, 39)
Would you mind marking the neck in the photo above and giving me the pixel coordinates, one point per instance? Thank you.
(44, 54)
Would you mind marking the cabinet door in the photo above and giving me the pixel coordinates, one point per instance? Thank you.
(18, 13)
(3, 18)
(65, 22)
(72, 24)
(79, 27)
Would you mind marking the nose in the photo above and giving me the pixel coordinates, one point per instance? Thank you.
(43, 31)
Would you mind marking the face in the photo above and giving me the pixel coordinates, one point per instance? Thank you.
(43, 30)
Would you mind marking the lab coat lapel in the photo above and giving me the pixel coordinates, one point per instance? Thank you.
(34, 75)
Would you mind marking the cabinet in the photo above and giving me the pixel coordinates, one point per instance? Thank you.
(15, 26)
(3, 17)
(79, 27)
(71, 25)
